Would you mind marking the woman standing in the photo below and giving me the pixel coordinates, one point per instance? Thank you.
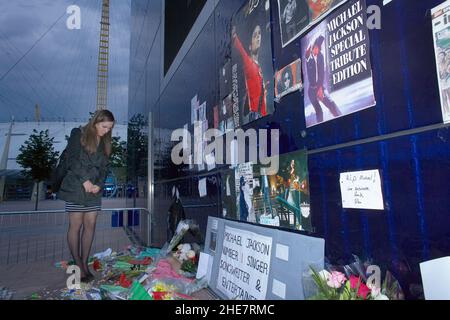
(88, 152)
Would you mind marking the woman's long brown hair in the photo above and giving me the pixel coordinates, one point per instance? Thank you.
(89, 133)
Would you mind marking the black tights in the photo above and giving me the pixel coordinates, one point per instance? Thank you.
(77, 220)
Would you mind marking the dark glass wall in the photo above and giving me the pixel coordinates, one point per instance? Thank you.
(414, 166)
(143, 93)
(179, 17)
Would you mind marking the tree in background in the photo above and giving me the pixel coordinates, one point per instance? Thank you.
(137, 149)
(119, 153)
(38, 157)
(119, 159)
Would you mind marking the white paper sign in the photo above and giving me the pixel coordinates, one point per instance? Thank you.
(204, 266)
(194, 107)
(210, 161)
(244, 265)
(279, 288)
(361, 190)
(436, 278)
(269, 221)
(282, 252)
(202, 187)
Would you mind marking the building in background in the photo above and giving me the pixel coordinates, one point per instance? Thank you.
(16, 186)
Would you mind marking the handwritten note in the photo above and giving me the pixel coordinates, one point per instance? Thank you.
(361, 190)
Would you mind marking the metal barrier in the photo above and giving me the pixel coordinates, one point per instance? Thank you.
(32, 236)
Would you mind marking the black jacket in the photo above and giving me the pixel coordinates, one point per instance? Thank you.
(315, 82)
(82, 167)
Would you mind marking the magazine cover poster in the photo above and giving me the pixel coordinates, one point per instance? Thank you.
(288, 79)
(337, 72)
(244, 184)
(296, 16)
(441, 37)
(228, 187)
(281, 198)
(293, 18)
(252, 69)
(319, 8)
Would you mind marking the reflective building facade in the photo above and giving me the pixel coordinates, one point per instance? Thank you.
(402, 135)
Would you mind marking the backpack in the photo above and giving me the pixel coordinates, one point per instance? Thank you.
(59, 172)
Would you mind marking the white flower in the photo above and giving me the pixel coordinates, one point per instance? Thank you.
(324, 275)
(186, 247)
(190, 254)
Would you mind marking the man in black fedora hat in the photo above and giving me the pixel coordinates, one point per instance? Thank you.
(315, 65)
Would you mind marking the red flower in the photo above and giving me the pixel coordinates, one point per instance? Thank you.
(97, 265)
(124, 282)
(158, 295)
(363, 290)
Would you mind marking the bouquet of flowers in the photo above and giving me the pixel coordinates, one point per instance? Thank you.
(184, 252)
(353, 282)
(182, 228)
(187, 255)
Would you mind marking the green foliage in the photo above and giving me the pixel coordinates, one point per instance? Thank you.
(324, 291)
(189, 266)
(37, 156)
(137, 146)
(119, 153)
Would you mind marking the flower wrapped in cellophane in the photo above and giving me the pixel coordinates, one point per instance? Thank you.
(354, 281)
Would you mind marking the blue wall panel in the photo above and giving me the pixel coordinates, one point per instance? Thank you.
(414, 225)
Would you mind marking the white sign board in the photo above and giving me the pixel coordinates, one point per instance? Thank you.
(361, 190)
(204, 266)
(244, 265)
(436, 278)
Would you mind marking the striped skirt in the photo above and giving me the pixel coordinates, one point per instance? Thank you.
(73, 207)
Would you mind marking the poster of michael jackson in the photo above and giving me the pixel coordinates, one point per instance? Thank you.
(251, 56)
(288, 79)
(296, 16)
(337, 72)
(281, 198)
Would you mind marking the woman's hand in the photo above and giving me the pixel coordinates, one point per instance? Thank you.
(95, 189)
(88, 186)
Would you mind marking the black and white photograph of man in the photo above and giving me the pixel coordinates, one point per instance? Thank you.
(293, 16)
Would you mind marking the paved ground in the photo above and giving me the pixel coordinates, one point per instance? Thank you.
(30, 245)
(26, 279)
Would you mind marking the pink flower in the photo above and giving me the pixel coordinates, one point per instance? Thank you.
(336, 279)
(363, 290)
